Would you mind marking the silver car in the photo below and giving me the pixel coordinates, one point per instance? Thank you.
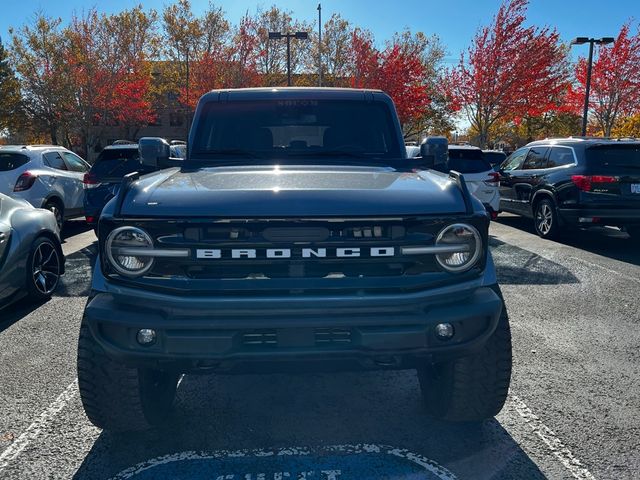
(31, 259)
(46, 176)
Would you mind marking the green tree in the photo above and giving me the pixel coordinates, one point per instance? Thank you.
(10, 102)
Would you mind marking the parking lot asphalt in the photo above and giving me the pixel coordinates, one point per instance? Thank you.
(572, 411)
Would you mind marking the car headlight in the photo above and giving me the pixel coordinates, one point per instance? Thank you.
(466, 247)
(121, 246)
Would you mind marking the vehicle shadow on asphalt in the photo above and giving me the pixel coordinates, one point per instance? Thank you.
(608, 242)
(74, 227)
(275, 411)
(76, 281)
(18, 310)
(516, 266)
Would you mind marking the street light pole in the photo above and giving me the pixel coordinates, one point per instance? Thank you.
(288, 36)
(591, 42)
(319, 45)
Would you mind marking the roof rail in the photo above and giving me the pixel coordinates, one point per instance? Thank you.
(124, 142)
(177, 142)
(462, 185)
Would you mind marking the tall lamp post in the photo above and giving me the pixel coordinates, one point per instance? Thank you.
(288, 36)
(591, 42)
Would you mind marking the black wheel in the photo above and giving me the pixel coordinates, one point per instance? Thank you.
(472, 388)
(44, 266)
(545, 219)
(119, 398)
(57, 210)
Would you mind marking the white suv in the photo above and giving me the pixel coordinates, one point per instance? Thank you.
(47, 176)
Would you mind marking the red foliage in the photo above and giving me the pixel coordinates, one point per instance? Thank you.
(393, 70)
(615, 81)
(233, 66)
(511, 71)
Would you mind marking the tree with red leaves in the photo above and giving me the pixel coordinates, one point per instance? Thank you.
(400, 70)
(615, 82)
(511, 71)
(233, 65)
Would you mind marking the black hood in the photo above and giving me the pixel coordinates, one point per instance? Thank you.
(292, 191)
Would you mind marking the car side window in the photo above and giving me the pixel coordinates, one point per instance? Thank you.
(514, 161)
(536, 158)
(54, 160)
(560, 156)
(74, 163)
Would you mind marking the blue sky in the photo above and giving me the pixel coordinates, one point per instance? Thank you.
(454, 21)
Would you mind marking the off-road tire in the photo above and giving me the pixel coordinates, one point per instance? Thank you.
(545, 211)
(119, 398)
(634, 233)
(471, 388)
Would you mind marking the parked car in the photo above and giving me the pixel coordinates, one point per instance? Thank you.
(31, 259)
(46, 176)
(495, 158)
(102, 182)
(482, 180)
(575, 182)
(413, 151)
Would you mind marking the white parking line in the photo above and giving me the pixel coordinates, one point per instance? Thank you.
(34, 430)
(554, 445)
(610, 270)
(551, 440)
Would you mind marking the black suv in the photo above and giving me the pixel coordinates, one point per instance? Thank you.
(574, 182)
(103, 180)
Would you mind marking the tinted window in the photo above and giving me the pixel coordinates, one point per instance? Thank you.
(614, 157)
(54, 160)
(296, 129)
(494, 158)
(536, 158)
(467, 160)
(560, 156)
(514, 161)
(11, 161)
(74, 163)
(178, 151)
(117, 162)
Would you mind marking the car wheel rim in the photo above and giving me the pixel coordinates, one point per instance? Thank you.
(56, 213)
(46, 268)
(544, 218)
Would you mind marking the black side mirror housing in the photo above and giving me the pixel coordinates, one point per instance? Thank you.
(434, 152)
(154, 152)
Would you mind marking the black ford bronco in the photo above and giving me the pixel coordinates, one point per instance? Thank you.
(296, 235)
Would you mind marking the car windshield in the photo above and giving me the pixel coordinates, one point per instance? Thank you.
(11, 161)
(467, 160)
(614, 157)
(116, 162)
(296, 131)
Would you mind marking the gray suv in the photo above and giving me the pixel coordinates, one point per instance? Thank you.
(46, 176)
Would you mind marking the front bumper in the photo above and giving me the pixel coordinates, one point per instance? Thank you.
(241, 334)
(600, 216)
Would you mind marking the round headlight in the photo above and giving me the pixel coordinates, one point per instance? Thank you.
(469, 247)
(121, 247)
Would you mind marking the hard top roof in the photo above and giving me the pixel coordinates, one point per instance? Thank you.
(290, 93)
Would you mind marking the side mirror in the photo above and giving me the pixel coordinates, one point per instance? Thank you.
(434, 152)
(154, 152)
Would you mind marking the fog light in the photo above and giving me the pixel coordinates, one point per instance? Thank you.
(146, 336)
(444, 331)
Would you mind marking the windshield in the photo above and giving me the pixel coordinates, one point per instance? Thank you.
(11, 161)
(295, 130)
(467, 160)
(116, 162)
